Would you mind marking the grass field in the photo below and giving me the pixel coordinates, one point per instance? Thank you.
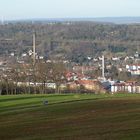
(70, 117)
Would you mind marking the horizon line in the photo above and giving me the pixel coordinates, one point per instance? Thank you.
(63, 18)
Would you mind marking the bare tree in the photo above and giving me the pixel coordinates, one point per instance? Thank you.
(56, 74)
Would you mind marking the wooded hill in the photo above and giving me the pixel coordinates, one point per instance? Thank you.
(70, 40)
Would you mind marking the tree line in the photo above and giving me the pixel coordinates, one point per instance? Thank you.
(29, 78)
(86, 38)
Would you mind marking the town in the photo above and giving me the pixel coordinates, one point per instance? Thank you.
(30, 72)
(69, 70)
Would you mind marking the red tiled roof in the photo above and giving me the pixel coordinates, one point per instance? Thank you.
(85, 82)
(119, 84)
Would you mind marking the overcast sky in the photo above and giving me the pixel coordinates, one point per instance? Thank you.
(25, 9)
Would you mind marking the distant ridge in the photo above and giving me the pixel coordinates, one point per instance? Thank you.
(119, 20)
(115, 20)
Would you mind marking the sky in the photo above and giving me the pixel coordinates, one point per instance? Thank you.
(29, 9)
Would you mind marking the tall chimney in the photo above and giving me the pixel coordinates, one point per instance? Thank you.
(103, 67)
(34, 46)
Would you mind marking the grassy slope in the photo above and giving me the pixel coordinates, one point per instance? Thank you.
(70, 117)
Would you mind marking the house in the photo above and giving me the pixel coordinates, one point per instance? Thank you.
(12, 54)
(128, 87)
(91, 86)
(137, 55)
(118, 87)
(137, 89)
(73, 76)
(115, 58)
(133, 69)
(72, 86)
(24, 54)
(135, 72)
(41, 57)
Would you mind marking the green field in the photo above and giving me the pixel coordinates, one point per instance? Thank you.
(70, 117)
